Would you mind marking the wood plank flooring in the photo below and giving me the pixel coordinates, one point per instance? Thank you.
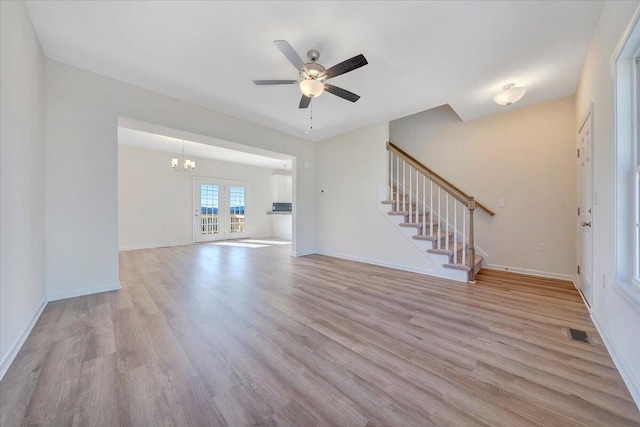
(214, 335)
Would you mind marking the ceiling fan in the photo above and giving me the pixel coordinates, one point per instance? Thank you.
(313, 75)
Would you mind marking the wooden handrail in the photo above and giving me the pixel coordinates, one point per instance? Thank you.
(460, 195)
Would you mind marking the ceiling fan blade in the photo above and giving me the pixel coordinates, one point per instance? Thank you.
(275, 82)
(291, 55)
(304, 102)
(345, 66)
(344, 94)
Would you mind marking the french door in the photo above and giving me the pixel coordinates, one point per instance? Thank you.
(220, 210)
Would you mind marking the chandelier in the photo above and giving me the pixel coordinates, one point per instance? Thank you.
(184, 165)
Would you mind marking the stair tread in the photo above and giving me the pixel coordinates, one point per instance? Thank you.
(459, 266)
(436, 236)
(442, 251)
(405, 213)
(393, 202)
(411, 224)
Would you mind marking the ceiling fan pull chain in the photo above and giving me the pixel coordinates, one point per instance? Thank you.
(311, 116)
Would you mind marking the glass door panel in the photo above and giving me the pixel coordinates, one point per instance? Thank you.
(207, 210)
(237, 212)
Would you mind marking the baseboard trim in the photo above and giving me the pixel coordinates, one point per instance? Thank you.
(394, 266)
(153, 246)
(7, 360)
(303, 253)
(627, 374)
(55, 296)
(548, 274)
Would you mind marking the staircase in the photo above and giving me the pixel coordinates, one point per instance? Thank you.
(436, 215)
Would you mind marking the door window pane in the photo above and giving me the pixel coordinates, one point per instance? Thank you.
(236, 209)
(209, 204)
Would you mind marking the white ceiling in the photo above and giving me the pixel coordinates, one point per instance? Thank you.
(421, 54)
(152, 141)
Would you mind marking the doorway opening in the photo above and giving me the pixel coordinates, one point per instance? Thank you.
(227, 192)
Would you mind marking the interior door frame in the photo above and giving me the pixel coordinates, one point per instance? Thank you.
(588, 273)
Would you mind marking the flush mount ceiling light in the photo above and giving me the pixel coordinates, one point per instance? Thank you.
(509, 94)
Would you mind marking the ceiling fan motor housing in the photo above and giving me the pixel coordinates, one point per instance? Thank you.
(315, 70)
(313, 55)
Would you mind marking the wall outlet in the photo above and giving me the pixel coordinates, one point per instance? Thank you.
(501, 203)
(542, 247)
(604, 280)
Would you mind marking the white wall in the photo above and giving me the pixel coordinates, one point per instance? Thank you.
(526, 157)
(617, 320)
(282, 192)
(82, 111)
(351, 169)
(22, 277)
(282, 188)
(155, 203)
(281, 226)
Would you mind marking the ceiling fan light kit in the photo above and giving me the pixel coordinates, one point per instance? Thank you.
(509, 94)
(311, 87)
(313, 75)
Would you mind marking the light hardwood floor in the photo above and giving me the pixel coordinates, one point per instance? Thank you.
(211, 335)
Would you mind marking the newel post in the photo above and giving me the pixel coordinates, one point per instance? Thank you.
(471, 251)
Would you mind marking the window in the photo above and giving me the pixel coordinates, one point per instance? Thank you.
(636, 164)
(627, 164)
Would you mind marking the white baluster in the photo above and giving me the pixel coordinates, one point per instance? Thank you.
(439, 219)
(404, 185)
(417, 211)
(397, 183)
(446, 242)
(424, 206)
(430, 208)
(455, 231)
(410, 196)
(390, 174)
(464, 236)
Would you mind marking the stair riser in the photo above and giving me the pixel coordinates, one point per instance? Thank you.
(427, 230)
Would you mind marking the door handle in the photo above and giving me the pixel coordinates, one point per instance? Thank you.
(586, 224)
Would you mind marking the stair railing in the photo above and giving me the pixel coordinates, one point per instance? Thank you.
(444, 203)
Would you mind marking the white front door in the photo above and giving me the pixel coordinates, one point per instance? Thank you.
(208, 205)
(585, 206)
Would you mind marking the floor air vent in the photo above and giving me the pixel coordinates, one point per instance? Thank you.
(578, 335)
